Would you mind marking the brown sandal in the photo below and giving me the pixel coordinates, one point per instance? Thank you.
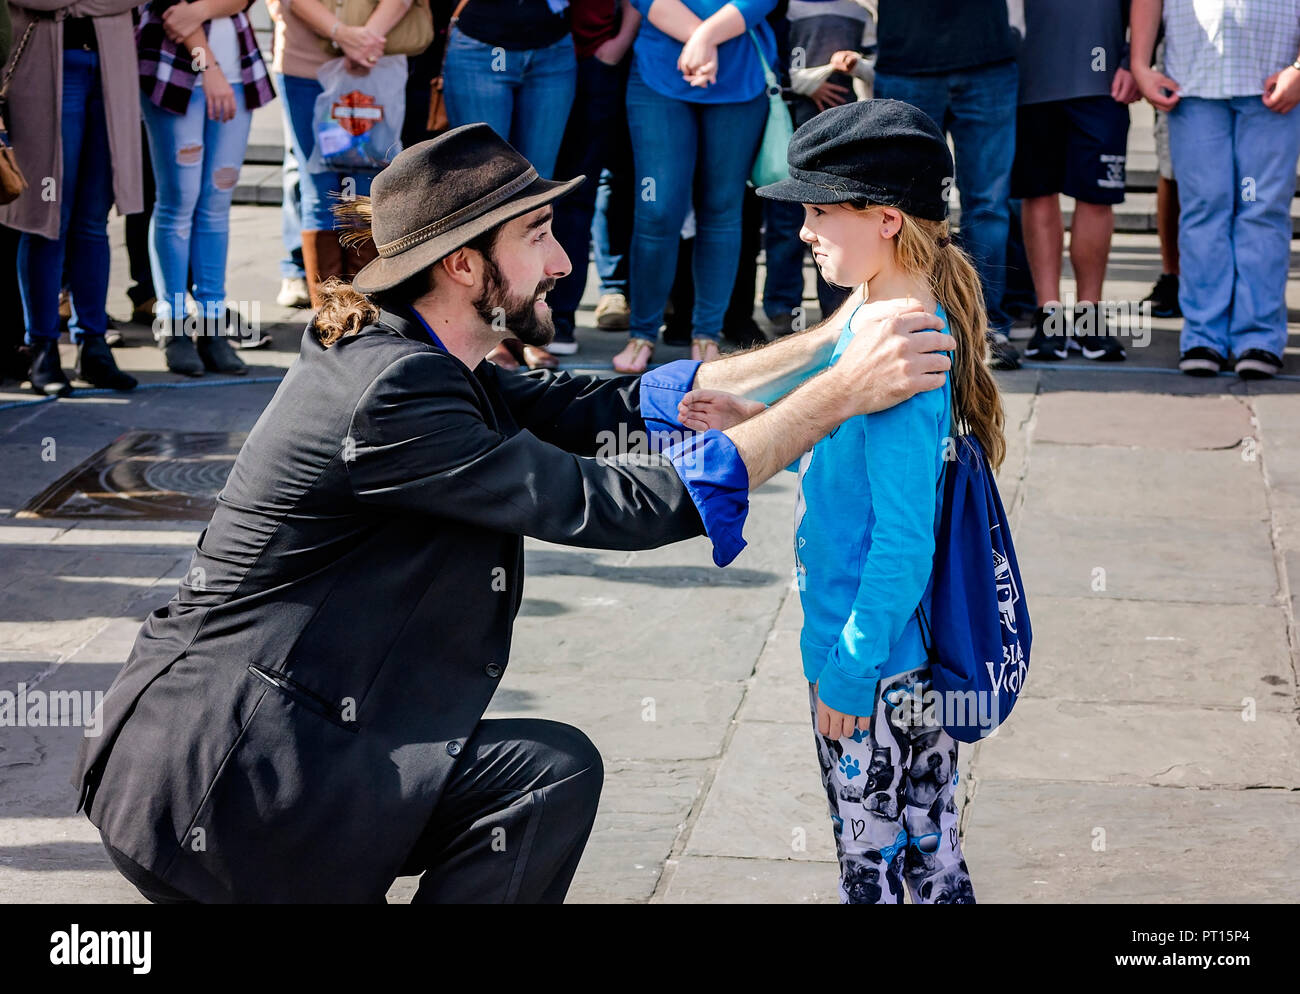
(642, 345)
(698, 345)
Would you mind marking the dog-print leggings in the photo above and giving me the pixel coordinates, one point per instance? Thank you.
(891, 797)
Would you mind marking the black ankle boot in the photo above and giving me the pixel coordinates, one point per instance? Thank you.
(46, 373)
(96, 365)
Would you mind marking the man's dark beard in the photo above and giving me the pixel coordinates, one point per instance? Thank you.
(519, 315)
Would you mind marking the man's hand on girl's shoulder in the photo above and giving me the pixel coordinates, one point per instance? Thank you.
(896, 353)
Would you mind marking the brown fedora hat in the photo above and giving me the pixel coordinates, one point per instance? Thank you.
(439, 194)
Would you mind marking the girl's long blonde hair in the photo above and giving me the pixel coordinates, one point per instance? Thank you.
(924, 249)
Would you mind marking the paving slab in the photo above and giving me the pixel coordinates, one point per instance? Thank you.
(1106, 481)
(640, 717)
(722, 880)
(1142, 744)
(1219, 561)
(1149, 421)
(1112, 652)
(779, 690)
(1034, 842)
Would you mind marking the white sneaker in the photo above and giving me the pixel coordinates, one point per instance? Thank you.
(293, 293)
(562, 348)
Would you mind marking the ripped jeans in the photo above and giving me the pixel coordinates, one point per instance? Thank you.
(891, 792)
(196, 166)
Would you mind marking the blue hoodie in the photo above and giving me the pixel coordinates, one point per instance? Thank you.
(864, 542)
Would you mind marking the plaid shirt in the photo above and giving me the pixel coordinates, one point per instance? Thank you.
(165, 74)
(1218, 49)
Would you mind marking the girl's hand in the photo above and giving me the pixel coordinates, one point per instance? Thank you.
(699, 56)
(360, 44)
(836, 725)
(610, 51)
(355, 68)
(829, 95)
(707, 75)
(183, 19)
(220, 97)
(844, 61)
(701, 410)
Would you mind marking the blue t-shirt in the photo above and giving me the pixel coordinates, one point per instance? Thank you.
(740, 73)
(864, 543)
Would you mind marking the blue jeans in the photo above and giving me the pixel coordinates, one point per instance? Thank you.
(85, 199)
(195, 166)
(524, 96)
(611, 229)
(684, 153)
(316, 189)
(597, 106)
(290, 208)
(1235, 161)
(978, 108)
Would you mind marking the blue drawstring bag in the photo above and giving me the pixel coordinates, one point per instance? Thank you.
(979, 634)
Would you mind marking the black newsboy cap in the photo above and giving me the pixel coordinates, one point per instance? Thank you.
(884, 151)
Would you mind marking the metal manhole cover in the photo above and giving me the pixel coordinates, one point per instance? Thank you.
(144, 474)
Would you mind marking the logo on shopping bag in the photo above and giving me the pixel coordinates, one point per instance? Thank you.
(357, 112)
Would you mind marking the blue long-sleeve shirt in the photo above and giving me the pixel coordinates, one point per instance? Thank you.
(864, 543)
(740, 73)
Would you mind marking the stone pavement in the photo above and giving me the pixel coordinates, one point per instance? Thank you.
(1155, 756)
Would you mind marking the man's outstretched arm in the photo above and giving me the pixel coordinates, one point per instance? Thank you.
(769, 372)
(874, 373)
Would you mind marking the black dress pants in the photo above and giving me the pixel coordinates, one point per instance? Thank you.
(509, 828)
(514, 819)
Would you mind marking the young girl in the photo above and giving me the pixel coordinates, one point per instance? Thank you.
(869, 500)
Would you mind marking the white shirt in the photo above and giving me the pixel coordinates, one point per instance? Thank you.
(224, 45)
(1217, 49)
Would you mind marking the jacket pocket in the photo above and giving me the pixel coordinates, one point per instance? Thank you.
(307, 698)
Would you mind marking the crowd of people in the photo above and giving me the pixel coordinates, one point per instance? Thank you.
(150, 107)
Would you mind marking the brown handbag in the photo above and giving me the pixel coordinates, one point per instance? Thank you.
(437, 121)
(12, 180)
(409, 36)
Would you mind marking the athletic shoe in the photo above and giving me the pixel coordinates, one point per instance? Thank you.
(293, 293)
(612, 312)
(746, 335)
(1164, 297)
(1002, 354)
(781, 325)
(1045, 347)
(1202, 361)
(1099, 346)
(564, 343)
(1258, 364)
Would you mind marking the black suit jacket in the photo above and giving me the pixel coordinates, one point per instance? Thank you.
(284, 726)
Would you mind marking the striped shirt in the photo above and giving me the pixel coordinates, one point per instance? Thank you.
(166, 76)
(1218, 49)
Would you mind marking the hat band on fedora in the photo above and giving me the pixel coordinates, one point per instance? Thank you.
(485, 202)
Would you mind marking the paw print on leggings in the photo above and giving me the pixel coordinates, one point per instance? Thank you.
(849, 767)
